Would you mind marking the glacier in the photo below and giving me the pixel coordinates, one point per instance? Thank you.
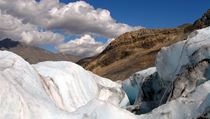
(183, 69)
(22, 94)
(171, 60)
(61, 89)
(189, 107)
(144, 89)
(71, 87)
(53, 90)
(133, 84)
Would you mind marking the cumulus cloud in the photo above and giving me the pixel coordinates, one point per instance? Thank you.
(29, 10)
(75, 18)
(36, 37)
(80, 17)
(11, 27)
(85, 46)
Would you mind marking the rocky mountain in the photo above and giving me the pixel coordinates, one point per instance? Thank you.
(34, 54)
(137, 50)
(131, 52)
(204, 21)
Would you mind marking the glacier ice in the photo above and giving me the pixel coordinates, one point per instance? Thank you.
(55, 90)
(132, 85)
(171, 60)
(52, 90)
(189, 79)
(70, 86)
(145, 89)
(21, 92)
(189, 107)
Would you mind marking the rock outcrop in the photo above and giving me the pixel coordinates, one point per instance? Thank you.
(203, 22)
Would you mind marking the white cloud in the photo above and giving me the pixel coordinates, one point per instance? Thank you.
(36, 37)
(11, 27)
(75, 18)
(85, 46)
(80, 17)
(29, 10)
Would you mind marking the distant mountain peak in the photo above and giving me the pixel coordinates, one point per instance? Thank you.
(34, 54)
(204, 21)
(8, 43)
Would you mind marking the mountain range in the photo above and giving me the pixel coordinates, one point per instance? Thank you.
(34, 54)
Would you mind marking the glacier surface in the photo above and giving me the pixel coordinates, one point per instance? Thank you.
(55, 90)
(171, 60)
(52, 90)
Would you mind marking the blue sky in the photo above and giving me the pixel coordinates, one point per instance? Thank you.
(152, 13)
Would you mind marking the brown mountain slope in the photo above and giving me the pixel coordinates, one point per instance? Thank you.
(33, 54)
(132, 52)
(136, 50)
